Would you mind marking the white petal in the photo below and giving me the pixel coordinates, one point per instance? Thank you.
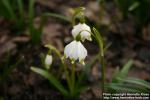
(70, 49)
(48, 60)
(85, 35)
(76, 30)
(75, 50)
(73, 53)
(82, 52)
(84, 29)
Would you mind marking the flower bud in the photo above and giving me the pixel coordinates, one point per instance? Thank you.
(48, 61)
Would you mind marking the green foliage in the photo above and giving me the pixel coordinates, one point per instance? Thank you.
(52, 79)
(35, 33)
(123, 73)
(14, 11)
(74, 86)
(138, 8)
(57, 16)
(8, 10)
(122, 83)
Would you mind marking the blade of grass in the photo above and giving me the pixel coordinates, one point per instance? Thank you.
(117, 87)
(20, 6)
(58, 16)
(52, 79)
(31, 16)
(134, 6)
(124, 72)
(7, 5)
(136, 81)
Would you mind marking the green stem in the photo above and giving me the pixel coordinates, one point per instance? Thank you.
(99, 39)
(73, 79)
(103, 73)
(67, 75)
(73, 20)
(102, 60)
(62, 63)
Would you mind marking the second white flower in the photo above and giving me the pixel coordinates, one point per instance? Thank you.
(83, 30)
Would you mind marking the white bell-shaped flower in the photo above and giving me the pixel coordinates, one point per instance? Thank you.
(48, 61)
(75, 51)
(83, 30)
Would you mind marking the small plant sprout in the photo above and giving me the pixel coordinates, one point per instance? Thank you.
(48, 61)
(82, 30)
(75, 51)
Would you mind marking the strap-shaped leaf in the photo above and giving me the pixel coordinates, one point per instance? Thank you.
(65, 18)
(134, 6)
(20, 6)
(117, 87)
(52, 79)
(115, 75)
(124, 72)
(9, 8)
(137, 82)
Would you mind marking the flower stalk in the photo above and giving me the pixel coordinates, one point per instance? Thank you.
(73, 78)
(102, 71)
(100, 41)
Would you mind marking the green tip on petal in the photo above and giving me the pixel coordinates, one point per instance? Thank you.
(90, 39)
(83, 40)
(72, 61)
(82, 62)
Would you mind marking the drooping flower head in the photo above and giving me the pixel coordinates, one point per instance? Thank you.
(48, 60)
(83, 30)
(75, 51)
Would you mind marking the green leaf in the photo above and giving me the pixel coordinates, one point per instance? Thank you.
(134, 6)
(115, 75)
(117, 87)
(137, 82)
(52, 79)
(31, 10)
(20, 6)
(124, 72)
(9, 8)
(58, 16)
(80, 89)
